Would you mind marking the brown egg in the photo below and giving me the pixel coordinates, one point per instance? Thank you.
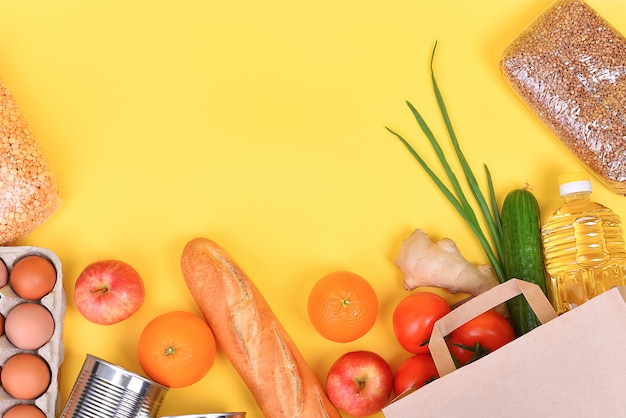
(25, 376)
(24, 411)
(29, 325)
(32, 277)
(4, 274)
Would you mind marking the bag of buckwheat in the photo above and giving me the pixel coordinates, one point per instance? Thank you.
(29, 193)
(569, 67)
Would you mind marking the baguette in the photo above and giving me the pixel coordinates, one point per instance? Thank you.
(251, 336)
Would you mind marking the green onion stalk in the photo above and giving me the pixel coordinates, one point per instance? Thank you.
(492, 246)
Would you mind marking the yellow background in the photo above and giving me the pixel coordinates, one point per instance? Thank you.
(261, 125)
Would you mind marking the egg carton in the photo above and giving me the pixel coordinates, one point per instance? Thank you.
(53, 351)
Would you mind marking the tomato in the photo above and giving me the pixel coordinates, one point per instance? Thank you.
(414, 372)
(414, 318)
(480, 336)
(451, 298)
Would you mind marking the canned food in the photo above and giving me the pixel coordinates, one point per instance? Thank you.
(104, 390)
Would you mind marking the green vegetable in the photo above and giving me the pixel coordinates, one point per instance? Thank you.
(522, 255)
(491, 246)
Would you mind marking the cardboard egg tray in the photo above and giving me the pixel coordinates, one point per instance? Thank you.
(53, 351)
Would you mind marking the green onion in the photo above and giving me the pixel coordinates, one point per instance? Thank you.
(455, 196)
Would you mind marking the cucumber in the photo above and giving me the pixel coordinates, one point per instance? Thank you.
(522, 253)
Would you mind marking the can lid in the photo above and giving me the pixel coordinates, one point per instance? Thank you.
(577, 182)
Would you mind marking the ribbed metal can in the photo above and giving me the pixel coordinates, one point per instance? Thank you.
(105, 390)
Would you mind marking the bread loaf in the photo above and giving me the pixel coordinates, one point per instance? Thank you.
(251, 336)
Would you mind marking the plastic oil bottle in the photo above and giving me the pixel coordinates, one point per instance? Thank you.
(583, 245)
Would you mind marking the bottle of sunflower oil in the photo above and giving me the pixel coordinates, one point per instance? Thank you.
(583, 245)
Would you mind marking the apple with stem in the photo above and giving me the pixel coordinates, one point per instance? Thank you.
(108, 291)
(359, 383)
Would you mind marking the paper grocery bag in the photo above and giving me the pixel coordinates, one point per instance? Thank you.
(570, 366)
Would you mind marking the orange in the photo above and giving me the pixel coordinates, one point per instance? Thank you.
(176, 349)
(342, 306)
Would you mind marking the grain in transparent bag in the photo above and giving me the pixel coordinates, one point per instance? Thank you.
(569, 67)
(29, 192)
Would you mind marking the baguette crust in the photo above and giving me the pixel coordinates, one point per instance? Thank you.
(251, 336)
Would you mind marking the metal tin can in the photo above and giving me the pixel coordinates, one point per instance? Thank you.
(104, 390)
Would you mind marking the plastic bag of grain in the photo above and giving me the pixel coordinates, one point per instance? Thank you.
(569, 67)
(29, 193)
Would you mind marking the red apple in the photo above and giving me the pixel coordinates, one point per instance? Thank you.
(108, 291)
(359, 383)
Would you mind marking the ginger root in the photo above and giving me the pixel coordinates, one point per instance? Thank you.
(425, 263)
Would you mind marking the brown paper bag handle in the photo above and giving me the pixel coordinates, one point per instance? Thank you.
(478, 305)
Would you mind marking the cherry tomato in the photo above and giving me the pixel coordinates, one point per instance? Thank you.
(414, 318)
(414, 372)
(480, 336)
